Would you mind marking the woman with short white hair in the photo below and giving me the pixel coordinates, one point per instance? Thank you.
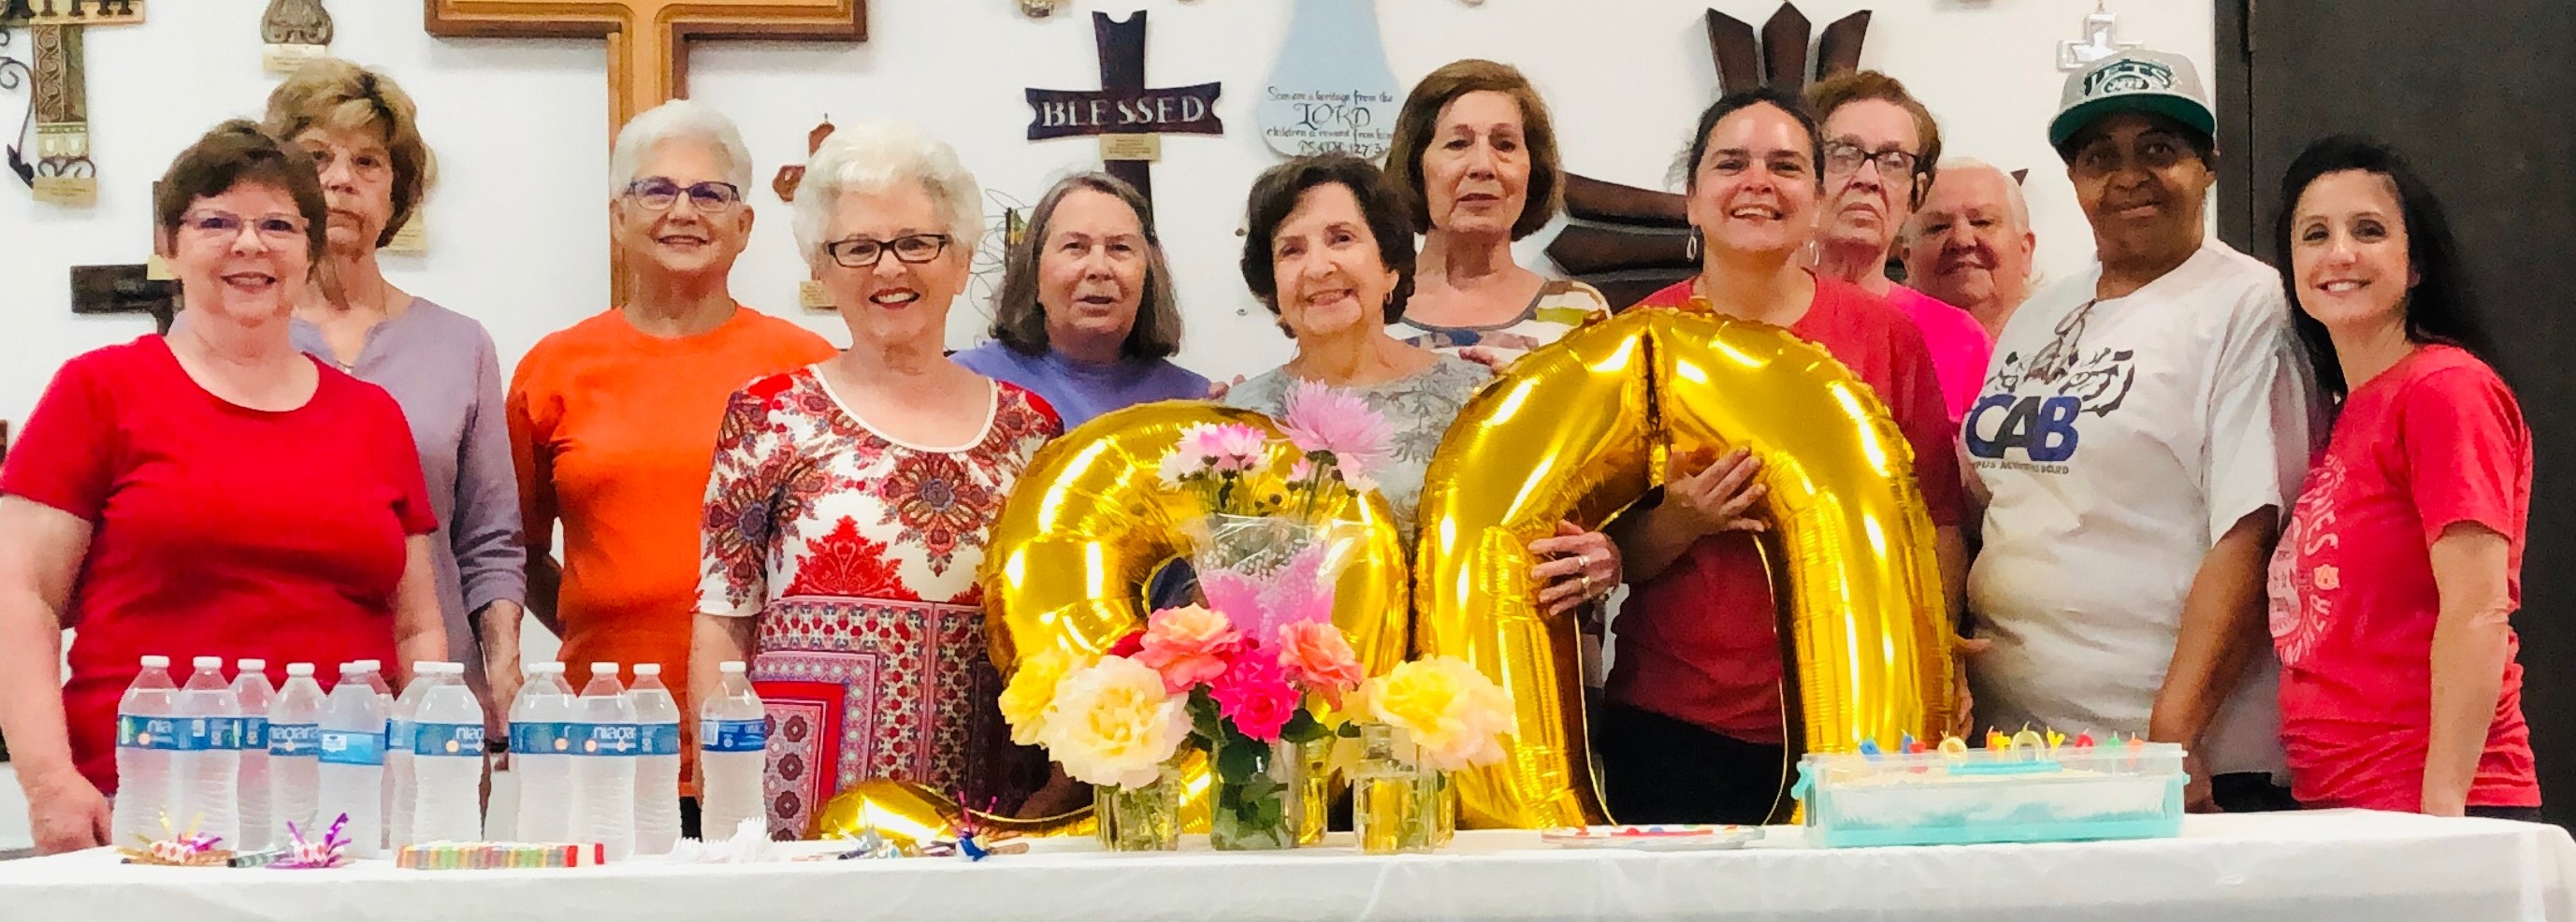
(851, 499)
(612, 420)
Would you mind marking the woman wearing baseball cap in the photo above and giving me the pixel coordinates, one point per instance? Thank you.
(2140, 433)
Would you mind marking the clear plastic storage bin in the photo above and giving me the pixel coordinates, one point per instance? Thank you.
(1987, 795)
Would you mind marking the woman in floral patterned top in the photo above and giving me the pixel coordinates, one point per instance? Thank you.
(848, 510)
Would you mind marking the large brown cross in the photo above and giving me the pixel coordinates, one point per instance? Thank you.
(648, 60)
(648, 43)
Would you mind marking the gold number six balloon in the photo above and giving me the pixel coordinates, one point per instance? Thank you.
(1578, 430)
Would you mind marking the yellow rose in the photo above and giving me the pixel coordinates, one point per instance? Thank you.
(1113, 723)
(1032, 689)
(1453, 712)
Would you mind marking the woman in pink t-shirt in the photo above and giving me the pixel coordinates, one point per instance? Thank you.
(2394, 582)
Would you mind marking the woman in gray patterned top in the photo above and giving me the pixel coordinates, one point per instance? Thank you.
(1330, 250)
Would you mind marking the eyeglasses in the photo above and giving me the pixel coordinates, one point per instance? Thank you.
(656, 193)
(1846, 157)
(863, 253)
(276, 228)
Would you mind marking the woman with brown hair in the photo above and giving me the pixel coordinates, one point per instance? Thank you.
(1086, 318)
(359, 128)
(1474, 154)
(208, 492)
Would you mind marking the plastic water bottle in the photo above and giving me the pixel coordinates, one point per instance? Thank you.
(252, 691)
(209, 764)
(447, 763)
(147, 740)
(733, 742)
(603, 764)
(295, 755)
(353, 763)
(374, 676)
(399, 781)
(657, 762)
(541, 754)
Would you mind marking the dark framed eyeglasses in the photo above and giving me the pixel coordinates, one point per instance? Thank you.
(275, 228)
(656, 193)
(863, 253)
(1846, 157)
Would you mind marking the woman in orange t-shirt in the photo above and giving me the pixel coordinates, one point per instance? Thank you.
(613, 420)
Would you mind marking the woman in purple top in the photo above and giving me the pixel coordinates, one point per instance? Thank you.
(439, 365)
(1086, 317)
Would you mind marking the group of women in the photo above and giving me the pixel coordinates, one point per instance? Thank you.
(313, 465)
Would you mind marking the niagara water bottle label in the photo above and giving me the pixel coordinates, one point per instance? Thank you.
(540, 738)
(134, 731)
(398, 735)
(203, 734)
(254, 734)
(606, 740)
(447, 739)
(294, 739)
(734, 735)
(351, 747)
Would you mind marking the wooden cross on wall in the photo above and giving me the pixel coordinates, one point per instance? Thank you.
(648, 40)
(1126, 114)
(648, 43)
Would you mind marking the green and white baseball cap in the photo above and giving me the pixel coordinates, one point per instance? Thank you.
(2136, 80)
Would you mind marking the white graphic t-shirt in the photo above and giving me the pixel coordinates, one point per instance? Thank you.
(2117, 440)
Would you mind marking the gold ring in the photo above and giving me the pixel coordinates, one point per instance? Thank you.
(1587, 584)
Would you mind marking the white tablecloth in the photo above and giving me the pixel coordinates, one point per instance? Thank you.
(2345, 866)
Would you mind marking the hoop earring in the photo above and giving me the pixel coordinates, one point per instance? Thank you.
(1690, 245)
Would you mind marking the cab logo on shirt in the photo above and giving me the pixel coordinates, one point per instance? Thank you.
(2035, 402)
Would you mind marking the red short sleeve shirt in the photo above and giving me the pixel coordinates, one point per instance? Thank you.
(1699, 641)
(216, 530)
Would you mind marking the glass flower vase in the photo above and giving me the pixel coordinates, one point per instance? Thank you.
(1265, 810)
(1139, 818)
(1315, 784)
(1397, 804)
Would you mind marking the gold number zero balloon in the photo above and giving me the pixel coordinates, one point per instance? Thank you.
(1089, 522)
(1578, 430)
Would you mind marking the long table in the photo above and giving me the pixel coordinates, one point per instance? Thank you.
(2346, 866)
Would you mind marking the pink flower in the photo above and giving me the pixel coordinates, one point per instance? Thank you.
(1226, 447)
(1321, 419)
(1255, 694)
(1189, 645)
(1320, 658)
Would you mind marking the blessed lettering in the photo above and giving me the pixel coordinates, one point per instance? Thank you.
(1070, 113)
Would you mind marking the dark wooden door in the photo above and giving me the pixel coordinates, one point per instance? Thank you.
(2482, 97)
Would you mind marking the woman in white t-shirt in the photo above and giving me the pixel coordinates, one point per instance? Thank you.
(2139, 434)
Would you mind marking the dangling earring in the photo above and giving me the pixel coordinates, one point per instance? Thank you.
(1690, 245)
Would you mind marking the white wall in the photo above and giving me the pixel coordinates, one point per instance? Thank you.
(517, 222)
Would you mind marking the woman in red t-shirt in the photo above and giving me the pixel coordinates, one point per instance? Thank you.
(1693, 730)
(2402, 562)
(211, 492)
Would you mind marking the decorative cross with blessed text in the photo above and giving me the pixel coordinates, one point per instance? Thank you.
(1128, 116)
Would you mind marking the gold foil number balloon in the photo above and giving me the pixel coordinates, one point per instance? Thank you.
(1578, 430)
(1090, 522)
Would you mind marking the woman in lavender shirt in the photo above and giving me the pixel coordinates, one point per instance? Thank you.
(1086, 317)
(438, 364)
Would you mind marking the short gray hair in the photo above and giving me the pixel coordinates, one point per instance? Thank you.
(679, 119)
(875, 156)
(2012, 187)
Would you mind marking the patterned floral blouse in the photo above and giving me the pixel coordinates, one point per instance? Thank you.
(1420, 406)
(858, 554)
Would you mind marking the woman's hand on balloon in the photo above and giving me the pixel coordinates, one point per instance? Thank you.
(1717, 497)
(66, 813)
(1579, 566)
(1486, 357)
